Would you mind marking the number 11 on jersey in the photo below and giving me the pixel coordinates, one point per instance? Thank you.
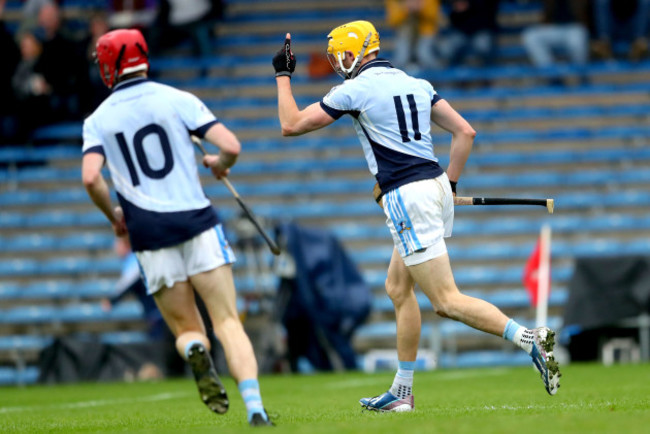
(401, 118)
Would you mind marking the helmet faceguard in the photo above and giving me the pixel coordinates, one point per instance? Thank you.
(358, 37)
(121, 52)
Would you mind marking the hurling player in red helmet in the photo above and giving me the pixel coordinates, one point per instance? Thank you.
(121, 52)
(142, 131)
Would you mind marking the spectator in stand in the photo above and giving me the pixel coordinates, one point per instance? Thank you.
(33, 92)
(624, 21)
(63, 65)
(10, 59)
(97, 25)
(564, 27)
(31, 9)
(416, 23)
(179, 20)
(472, 31)
(132, 13)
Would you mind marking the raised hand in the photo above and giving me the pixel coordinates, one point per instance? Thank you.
(284, 61)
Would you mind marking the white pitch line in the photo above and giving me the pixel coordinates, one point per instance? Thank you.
(95, 403)
(561, 405)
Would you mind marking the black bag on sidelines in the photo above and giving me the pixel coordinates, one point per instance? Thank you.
(69, 360)
(602, 292)
(325, 300)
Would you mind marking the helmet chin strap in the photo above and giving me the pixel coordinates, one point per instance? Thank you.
(354, 69)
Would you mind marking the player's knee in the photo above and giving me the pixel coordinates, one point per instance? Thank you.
(397, 291)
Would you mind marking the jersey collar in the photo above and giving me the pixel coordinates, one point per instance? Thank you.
(375, 63)
(128, 83)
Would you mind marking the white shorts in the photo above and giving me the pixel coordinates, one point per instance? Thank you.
(166, 266)
(420, 215)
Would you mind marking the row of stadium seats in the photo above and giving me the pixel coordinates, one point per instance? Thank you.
(493, 138)
(307, 165)
(346, 209)
(44, 242)
(88, 312)
(58, 289)
(504, 250)
(38, 342)
(447, 76)
(463, 227)
(316, 187)
(82, 265)
(513, 95)
(74, 312)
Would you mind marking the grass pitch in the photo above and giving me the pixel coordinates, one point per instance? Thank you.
(592, 399)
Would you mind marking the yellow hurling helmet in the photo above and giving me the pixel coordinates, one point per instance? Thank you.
(359, 37)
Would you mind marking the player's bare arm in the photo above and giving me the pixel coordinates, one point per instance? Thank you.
(93, 180)
(229, 148)
(294, 121)
(443, 115)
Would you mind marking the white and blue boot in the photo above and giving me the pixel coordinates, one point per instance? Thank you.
(387, 402)
(542, 355)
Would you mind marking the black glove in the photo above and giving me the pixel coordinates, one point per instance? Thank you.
(284, 62)
(453, 186)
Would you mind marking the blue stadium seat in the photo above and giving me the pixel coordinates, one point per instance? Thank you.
(120, 338)
(127, 311)
(50, 289)
(82, 312)
(95, 288)
(13, 376)
(28, 315)
(257, 285)
(29, 242)
(9, 290)
(18, 267)
(11, 219)
(53, 218)
(67, 265)
(24, 342)
(59, 133)
(87, 240)
(477, 359)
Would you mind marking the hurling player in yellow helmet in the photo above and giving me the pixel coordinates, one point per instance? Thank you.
(392, 112)
(359, 38)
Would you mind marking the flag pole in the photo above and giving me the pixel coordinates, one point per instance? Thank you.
(544, 276)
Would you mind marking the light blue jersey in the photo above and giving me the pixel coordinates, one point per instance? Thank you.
(143, 130)
(391, 113)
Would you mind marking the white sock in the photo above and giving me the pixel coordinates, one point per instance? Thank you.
(524, 339)
(403, 382)
(519, 335)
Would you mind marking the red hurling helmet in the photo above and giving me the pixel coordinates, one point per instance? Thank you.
(121, 52)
